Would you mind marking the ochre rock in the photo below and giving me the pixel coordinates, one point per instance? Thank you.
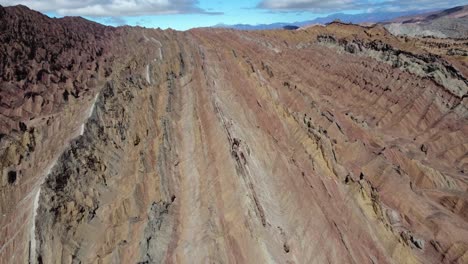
(338, 144)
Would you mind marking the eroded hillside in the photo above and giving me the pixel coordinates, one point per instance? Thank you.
(338, 144)
(449, 23)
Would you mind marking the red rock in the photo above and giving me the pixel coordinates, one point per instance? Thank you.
(216, 145)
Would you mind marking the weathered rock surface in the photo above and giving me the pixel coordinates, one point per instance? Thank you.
(449, 23)
(338, 144)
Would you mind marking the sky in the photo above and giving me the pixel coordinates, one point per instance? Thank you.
(186, 14)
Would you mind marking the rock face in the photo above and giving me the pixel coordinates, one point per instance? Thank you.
(339, 144)
(449, 23)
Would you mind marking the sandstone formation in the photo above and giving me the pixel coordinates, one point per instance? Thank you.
(336, 144)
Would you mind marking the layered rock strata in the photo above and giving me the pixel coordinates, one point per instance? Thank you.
(339, 144)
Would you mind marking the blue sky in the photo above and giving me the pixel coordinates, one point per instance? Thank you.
(233, 12)
(185, 14)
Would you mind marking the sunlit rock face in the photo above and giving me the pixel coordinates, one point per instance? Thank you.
(449, 23)
(338, 144)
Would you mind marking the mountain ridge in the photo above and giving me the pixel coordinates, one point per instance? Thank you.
(347, 18)
(127, 144)
(448, 23)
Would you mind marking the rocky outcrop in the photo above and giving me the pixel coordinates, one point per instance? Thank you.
(49, 73)
(200, 146)
(425, 66)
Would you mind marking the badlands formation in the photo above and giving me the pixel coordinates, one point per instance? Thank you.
(336, 144)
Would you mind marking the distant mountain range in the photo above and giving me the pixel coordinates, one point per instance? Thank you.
(346, 18)
(455, 12)
(452, 23)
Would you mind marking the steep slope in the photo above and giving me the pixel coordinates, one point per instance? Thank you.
(49, 73)
(338, 144)
(449, 23)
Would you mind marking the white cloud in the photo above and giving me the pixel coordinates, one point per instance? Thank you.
(110, 8)
(342, 5)
(304, 4)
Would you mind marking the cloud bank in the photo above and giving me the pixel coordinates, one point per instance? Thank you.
(111, 8)
(342, 5)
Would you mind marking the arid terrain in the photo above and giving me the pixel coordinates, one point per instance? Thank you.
(331, 144)
(449, 23)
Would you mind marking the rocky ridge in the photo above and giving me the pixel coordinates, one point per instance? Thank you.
(449, 23)
(200, 146)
